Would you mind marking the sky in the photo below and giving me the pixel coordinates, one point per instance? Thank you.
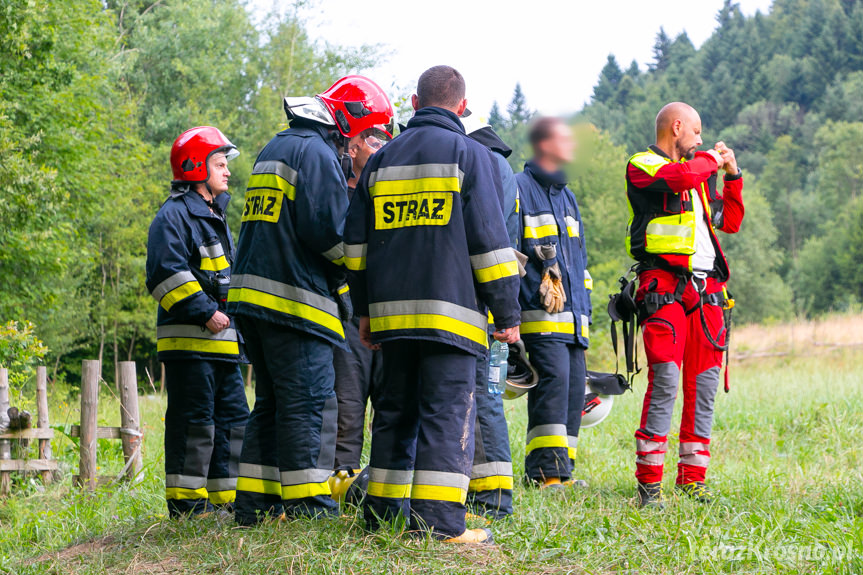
(554, 48)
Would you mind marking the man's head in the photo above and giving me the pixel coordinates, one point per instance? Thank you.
(362, 146)
(441, 87)
(552, 142)
(217, 169)
(678, 130)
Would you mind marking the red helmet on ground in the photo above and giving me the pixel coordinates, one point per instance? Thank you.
(193, 148)
(357, 104)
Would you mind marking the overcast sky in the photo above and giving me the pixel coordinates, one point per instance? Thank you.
(555, 48)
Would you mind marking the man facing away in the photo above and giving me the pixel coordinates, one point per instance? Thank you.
(675, 209)
(555, 303)
(428, 248)
(290, 297)
(189, 257)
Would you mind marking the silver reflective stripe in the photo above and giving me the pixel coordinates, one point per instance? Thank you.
(212, 252)
(416, 172)
(284, 291)
(587, 275)
(304, 476)
(489, 259)
(255, 471)
(481, 470)
(391, 476)
(585, 320)
(540, 220)
(172, 283)
(651, 459)
(645, 445)
(654, 229)
(572, 224)
(281, 169)
(185, 481)
(195, 332)
(693, 453)
(222, 484)
(690, 448)
(572, 440)
(335, 252)
(429, 306)
(549, 429)
(441, 479)
(356, 250)
(540, 315)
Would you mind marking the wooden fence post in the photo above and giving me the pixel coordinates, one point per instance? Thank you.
(90, 374)
(42, 419)
(5, 444)
(130, 422)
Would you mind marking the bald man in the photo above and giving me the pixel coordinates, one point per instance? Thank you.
(675, 209)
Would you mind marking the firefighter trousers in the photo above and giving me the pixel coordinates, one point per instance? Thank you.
(554, 408)
(204, 425)
(674, 341)
(288, 450)
(358, 373)
(490, 489)
(422, 437)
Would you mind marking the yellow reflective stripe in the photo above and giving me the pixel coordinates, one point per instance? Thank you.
(548, 327)
(588, 280)
(572, 227)
(222, 497)
(290, 307)
(305, 490)
(491, 483)
(415, 186)
(673, 234)
(355, 256)
(389, 490)
(572, 452)
(344, 289)
(263, 486)
(547, 441)
(273, 182)
(585, 329)
(439, 493)
(355, 264)
(214, 264)
(540, 232)
(179, 294)
(649, 162)
(195, 344)
(430, 321)
(496, 272)
(183, 493)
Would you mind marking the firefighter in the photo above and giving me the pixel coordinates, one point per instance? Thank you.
(290, 297)
(189, 256)
(490, 489)
(675, 210)
(426, 241)
(555, 303)
(358, 368)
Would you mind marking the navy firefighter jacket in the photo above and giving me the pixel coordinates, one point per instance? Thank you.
(425, 239)
(189, 256)
(290, 254)
(550, 215)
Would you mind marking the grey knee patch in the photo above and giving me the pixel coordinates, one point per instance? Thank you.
(236, 446)
(329, 431)
(706, 384)
(199, 449)
(665, 379)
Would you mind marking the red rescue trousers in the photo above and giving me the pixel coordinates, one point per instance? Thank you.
(674, 340)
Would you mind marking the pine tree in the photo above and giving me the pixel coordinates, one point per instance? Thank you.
(496, 119)
(661, 52)
(609, 79)
(518, 111)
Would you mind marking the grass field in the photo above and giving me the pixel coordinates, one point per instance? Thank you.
(787, 459)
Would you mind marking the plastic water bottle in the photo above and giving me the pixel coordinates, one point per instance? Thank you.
(497, 367)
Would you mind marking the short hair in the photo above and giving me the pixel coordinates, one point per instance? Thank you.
(441, 86)
(541, 129)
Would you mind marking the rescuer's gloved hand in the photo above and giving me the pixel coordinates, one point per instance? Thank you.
(551, 288)
(343, 299)
(521, 259)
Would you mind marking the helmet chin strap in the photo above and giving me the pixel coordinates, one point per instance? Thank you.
(345, 159)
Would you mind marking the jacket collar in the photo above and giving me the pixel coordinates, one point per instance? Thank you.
(489, 138)
(307, 127)
(658, 151)
(432, 116)
(196, 204)
(553, 181)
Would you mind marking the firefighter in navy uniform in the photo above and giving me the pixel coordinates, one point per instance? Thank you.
(426, 242)
(290, 297)
(189, 256)
(491, 483)
(675, 208)
(555, 303)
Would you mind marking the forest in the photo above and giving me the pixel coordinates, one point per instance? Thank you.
(93, 93)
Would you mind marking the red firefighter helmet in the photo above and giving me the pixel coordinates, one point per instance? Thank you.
(193, 148)
(353, 104)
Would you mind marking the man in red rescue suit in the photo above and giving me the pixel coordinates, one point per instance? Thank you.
(675, 209)
(189, 257)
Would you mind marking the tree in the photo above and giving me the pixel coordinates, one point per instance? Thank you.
(495, 118)
(609, 79)
(518, 111)
(661, 52)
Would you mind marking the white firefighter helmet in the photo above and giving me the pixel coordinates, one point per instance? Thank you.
(521, 376)
(600, 389)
